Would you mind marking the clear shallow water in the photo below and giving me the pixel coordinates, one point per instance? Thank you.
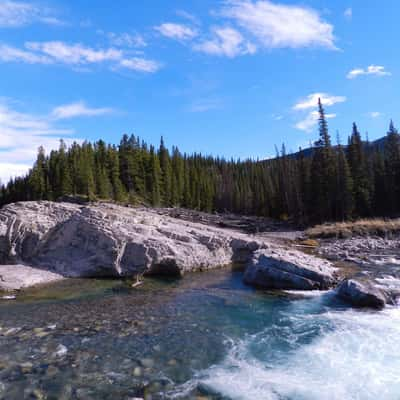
(203, 337)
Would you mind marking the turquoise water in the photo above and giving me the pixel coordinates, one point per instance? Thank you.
(204, 337)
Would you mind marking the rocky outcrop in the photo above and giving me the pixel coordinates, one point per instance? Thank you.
(106, 240)
(360, 250)
(282, 269)
(16, 277)
(363, 294)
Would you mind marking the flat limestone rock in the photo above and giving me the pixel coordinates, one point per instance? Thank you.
(289, 270)
(16, 277)
(107, 240)
(362, 294)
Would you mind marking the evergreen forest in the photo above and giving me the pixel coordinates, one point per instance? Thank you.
(329, 182)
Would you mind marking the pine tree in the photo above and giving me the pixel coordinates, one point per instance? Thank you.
(392, 167)
(359, 171)
(344, 188)
(38, 176)
(166, 174)
(119, 193)
(63, 178)
(322, 173)
(154, 178)
(103, 185)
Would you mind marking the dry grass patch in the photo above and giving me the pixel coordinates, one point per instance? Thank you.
(362, 227)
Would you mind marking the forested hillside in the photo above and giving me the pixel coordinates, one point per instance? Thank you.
(331, 183)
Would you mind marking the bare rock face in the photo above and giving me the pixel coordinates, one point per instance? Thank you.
(362, 294)
(16, 277)
(106, 240)
(283, 269)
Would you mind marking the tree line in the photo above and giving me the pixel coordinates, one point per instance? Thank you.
(328, 183)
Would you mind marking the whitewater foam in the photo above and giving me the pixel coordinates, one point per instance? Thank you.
(355, 356)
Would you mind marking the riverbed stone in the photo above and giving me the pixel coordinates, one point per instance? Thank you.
(362, 294)
(285, 270)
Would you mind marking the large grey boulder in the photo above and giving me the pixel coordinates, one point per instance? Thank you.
(362, 294)
(16, 277)
(106, 240)
(285, 270)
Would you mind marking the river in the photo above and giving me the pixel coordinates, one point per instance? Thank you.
(203, 337)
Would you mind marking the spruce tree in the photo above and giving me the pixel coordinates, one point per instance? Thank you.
(392, 167)
(344, 189)
(359, 171)
(38, 177)
(322, 173)
(119, 193)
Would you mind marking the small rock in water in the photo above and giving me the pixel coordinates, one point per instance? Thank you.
(61, 350)
(147, 362)
(362, 294)
(9, 297)
(137, 372)
(39, 395)
(26, 368)
(52, 371)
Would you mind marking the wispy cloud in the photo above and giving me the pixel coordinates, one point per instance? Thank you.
(78, 109)
(140, 64)
(124, 39)
(374, 114)
(226, 41)
(176, 31)
(348, 13)
(310, 105)
(188, 16)
(74, 53)
(277, 25)
(13, 54)
(311, 120)
(377, 70)
(311, 101)
(20, 136)
(57, 52)
(15, 13)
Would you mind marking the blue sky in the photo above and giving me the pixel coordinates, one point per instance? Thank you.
(229, 77)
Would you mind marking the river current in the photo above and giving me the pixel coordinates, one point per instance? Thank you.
(203, 337)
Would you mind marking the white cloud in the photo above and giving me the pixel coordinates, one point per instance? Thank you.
(21, 134)
(75, 53)
(124, 39)
(375, 114)
(13, 54)
(140, 64)
(190, 17)
(176, 31)
(56, 52)
(310, 105)
(311, 120)
(14, 14)
(311, 101)
(280, 26)
(348, 13)
(226, 42)
(376, 70)
(12, 170)
(78, 109)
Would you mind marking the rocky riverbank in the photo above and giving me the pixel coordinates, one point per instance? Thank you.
(17, 277)
(41, 242)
